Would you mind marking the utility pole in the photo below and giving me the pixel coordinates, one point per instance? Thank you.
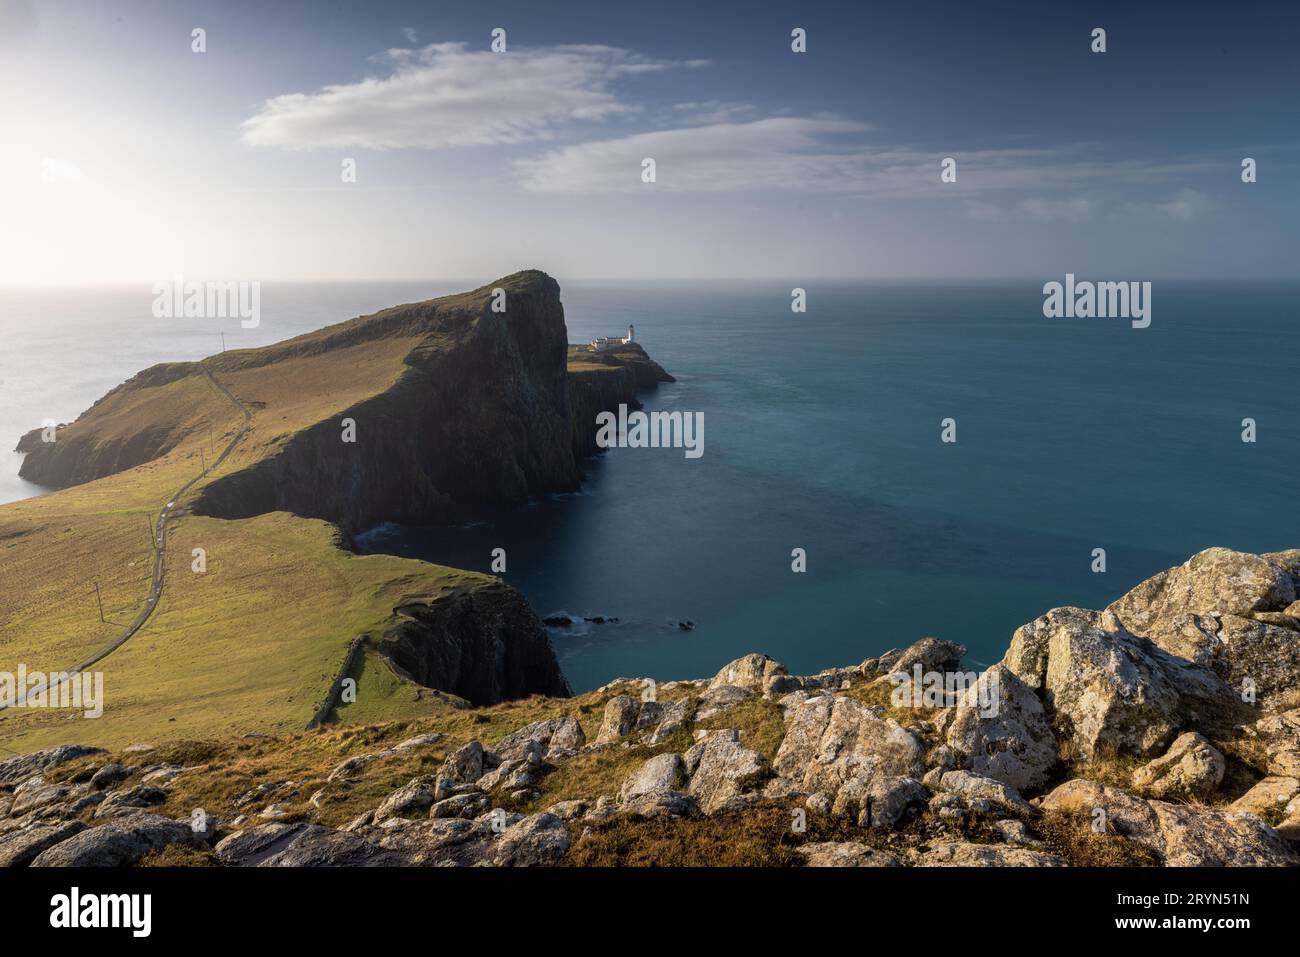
(203, 461)
(100, 601)
(223, 342)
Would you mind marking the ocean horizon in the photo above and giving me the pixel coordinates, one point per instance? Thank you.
(822, 433)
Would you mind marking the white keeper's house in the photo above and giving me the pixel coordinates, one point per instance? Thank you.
(604, 343)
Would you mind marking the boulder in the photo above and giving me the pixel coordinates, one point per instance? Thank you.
(620, 715)
(537, 840)
(1180, 835)
(1268, 796)
(750, 671)
(932, 654)
(109, 775)
(1011, 741)
(120, 843)
(1191, 768)
(663, 772)
(965, 854)
(416, 795)
(130, 800)
(463, 766)
(36, 794)
(316, 846)
(829, 741)
(18, 848)
(248, 843)
(721, 770)
(720, 698)
(846, 854)
(558, 737)
(17, 769)
(985, 795)
(1106, 688)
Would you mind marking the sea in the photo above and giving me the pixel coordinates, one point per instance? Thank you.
(1088, 455)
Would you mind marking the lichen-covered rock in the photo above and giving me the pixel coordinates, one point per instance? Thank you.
(1269, 795)
(829, 741)
(620, 716)
(721, 769)
(120, 843)
(663, 772)
(557, 737)
(964, 854)
(416, 795)
(21, 767)
(1106, 689)
(1000, 731)
(931, 655)
(846, 854)
(985, 795)
(720, 698)
(749, 671)
(19, 847)
(1180, 835)
(538, 840)
(1191, 768)
(465, 765)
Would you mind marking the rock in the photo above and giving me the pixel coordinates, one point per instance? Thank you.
(316, 846)
(847, 854)
(558, 737)
(109, 775)
(1269, 795)
(16, 769)
(722, 770)
(663, 772)
(1279, 736)
(131, 800)
(1014, 832)
(674, 718)
(569, 810)
(620, 715)
(415, 795)
(1000, 731)
(460, 805)
(1203, 611)
(965, 854)
(463, 766)
(932, 655)
(262, 792)
(120, 843)
(419, 741)
(829, 741)
(990, 794)
(720, 698)
(1108, 689)
(1191, 768)
(750, 671)
(537, 840)
(246, 844)
(1180, 835)
(35, 794)
(656, 805)
(891, 800)
(19, 848)
(352, 765)
(275, 811)
(162, 774)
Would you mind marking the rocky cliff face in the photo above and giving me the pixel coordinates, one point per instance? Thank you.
(601, 382)
(478, 418)
(1091, 743)
(483, 645)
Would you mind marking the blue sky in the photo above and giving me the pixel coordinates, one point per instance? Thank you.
(130, 157)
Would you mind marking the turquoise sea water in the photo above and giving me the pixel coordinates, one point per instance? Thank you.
(822, 432)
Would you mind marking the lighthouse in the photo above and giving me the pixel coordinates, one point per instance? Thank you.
(631, 334)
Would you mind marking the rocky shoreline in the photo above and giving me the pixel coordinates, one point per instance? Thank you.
(1162, 730)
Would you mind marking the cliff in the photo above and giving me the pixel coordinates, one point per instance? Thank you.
(1101, 738)
(600, 382)
(422, 413)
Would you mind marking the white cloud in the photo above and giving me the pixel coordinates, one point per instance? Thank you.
(1185, 205)
(446, 95)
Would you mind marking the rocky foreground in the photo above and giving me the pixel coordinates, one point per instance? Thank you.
(1163, 730)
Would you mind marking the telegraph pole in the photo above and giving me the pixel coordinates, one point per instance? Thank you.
(100, 601)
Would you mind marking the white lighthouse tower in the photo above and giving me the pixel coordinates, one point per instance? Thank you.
(631, 334)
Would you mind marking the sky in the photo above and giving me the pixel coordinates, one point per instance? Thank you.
(127, 156)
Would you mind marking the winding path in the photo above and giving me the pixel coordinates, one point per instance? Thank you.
(159, 560)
